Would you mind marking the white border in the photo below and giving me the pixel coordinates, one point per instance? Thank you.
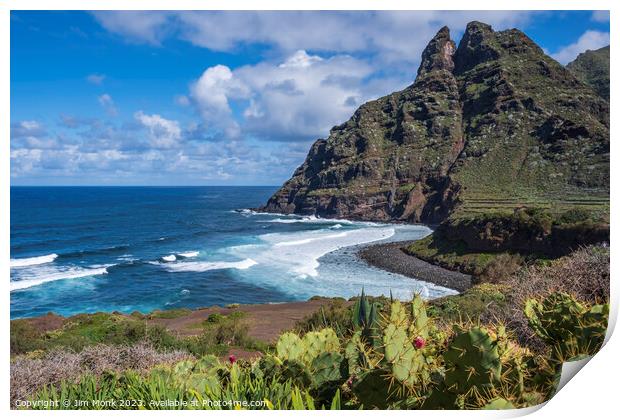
(591, 394)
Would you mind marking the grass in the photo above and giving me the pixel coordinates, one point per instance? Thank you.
(169, 313)
(85, 330)
(452, 255)
(481, 302)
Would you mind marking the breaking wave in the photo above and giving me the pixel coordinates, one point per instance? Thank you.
(26, 262)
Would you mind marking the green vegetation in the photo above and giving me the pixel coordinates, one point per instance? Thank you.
(496, 127)
(454, 255)
(399, 358)
(477, 304)
(592, 67)
(219, 333)
(493, 246)
(169, 313)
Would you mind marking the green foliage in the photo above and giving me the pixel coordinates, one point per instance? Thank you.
(415, 365)
(80, 331)
(473, 304)
(570, 327)
(452, 255)
(472, 361)
(336, 315)
(169, 313)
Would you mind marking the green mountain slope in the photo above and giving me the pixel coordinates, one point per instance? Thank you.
(493, 124)
(592, 67)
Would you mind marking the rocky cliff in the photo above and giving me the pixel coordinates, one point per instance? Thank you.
(492, 123)
(592, 67)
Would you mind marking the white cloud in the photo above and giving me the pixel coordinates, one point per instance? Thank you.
(392, 35)
(26, 128)
(301, 97)
(589, 40)
(107, 103)
(300, 59)
(211, 94)
(95, 79)
(136, 26)
(163, 133)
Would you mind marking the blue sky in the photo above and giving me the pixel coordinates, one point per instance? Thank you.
(219, 98)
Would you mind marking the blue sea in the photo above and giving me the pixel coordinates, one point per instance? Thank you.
(88, 249)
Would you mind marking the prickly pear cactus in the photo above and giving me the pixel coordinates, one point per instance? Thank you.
(499, 404)
(317, 342)
(328, 367)
(372, 389)
(398, 315)
(296, 372)
(472, 360)
(572, 329)
(421, 323)
(403, 359)
(354, 352)
(306, 349)
(289, 346)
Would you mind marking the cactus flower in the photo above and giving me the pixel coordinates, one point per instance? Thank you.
(419, 342)
(232, 358)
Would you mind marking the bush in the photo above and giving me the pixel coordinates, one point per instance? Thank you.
(335, 315)
(501, 268)
(29, 375)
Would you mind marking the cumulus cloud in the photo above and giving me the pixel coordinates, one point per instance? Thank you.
(136, 26)
(391, 35)
(301, 97)
(26, 128)
(107, 103)
(95, 79)
(589, 40)
(211, 94)
(163, 133)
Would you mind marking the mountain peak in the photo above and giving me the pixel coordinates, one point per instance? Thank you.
(438, 53)
(495, 120)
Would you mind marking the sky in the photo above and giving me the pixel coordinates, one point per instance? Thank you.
(219, 98)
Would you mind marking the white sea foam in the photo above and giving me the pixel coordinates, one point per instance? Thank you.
(298, 253)
(189, 254)
(40, 276)
(25, 262)
(317, 262)
(200, 266)
(169, 258)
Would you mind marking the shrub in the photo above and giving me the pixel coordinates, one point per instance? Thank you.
(31, 374)
(335, 315)
(501, 268)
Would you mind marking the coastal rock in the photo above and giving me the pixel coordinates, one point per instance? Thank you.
(492, 121)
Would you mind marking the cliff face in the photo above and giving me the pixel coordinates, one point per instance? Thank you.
(492, 121)
(592, 67)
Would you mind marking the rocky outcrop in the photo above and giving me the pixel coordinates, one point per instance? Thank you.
(592, 67)
(492, 121)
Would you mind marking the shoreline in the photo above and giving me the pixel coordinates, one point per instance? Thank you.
(390, 257)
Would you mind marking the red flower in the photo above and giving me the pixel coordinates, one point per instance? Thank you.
(419, 342)
(232, 358)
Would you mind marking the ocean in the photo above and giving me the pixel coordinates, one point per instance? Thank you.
(89, 249)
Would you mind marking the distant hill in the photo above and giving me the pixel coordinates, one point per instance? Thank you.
(592, 67)
(494, 124)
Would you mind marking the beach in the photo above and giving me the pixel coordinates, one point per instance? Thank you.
(390, 257)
